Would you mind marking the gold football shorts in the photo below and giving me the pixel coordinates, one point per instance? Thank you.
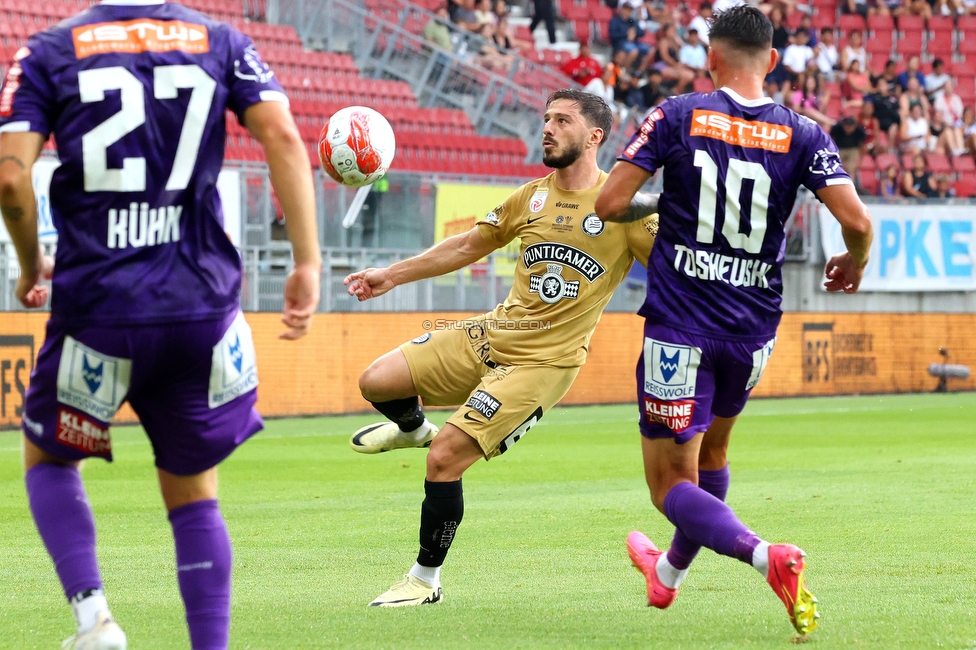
(501, 402)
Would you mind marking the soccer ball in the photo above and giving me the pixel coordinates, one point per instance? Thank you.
(356, 146)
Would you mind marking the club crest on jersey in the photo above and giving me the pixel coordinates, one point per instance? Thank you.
(825, 162)
(741, 133)
(552, 286)
(670, 371)
(92, 382)
(538, 200)
(593, 225)
(572, 257)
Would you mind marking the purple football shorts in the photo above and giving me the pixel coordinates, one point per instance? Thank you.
(193, 386)
(686, 380)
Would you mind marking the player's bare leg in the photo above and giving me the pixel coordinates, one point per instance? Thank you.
(203, 554)
(671, 473)
(451, 453)
(388, 386)
(64, 519)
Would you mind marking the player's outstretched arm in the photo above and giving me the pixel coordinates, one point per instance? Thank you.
(272, 124)
(619, 199)
(449, 255)
(18, 151)
(844, 271)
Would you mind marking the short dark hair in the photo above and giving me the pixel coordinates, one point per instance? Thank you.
(743, 27)
(937, 62)
(826, 30)
(705, 5)
(594, 109)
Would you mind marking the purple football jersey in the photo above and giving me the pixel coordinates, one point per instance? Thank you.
(135, 95)
(732, 168)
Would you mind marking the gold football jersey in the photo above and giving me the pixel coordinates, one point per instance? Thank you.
(569, 264)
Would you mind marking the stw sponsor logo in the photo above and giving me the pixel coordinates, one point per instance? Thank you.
(675, 415)
(741, 133)
(141, 35)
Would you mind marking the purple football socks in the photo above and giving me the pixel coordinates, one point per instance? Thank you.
(683, 550)
(64, 520)
(706, 520)
(203, 566)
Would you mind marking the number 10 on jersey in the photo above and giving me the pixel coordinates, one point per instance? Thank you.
(738, 171)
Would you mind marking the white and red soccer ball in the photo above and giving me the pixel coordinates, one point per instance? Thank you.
(356, 146)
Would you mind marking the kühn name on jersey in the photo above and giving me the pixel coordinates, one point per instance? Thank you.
(141, 225)
(715, 267)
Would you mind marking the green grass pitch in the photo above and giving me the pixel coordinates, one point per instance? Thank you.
(880, 492)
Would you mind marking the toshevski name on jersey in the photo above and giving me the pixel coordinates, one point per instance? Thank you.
(715, 267)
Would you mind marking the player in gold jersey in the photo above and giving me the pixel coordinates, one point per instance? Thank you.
(509, 366)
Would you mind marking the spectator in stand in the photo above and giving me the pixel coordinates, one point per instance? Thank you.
(886, 8)
(916, 137)
(828, 59)
(666, 60)
(584, 67)
(464, 15)
(483, 13)
(913, 96)
(917, 182)
(889, 74)
(625, 35)
(797, 56)
(936, 80)
(809, 99)
(950, 105)
(781, 35)
(500, 10)
(693, 54)
(627, 93)
(948, 139)
(886, 109)
(652, 91)
(943, 187)
(489, 56)
(651, 15)
(504, 39)
(436, 30)
(969, 129)
(912, 72)
(967, 7)
(867, 121)
(914, 8)
(854, 51)
(806, 25)
(602, 86)
(849, 138)
(855, 86)
(890, 186)
(856, 7)
(544, 11)
(701, 22)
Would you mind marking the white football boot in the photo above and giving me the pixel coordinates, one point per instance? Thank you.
(409, 591)
(106, 635)
(384, 436)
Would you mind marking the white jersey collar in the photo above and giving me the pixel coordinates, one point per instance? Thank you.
(736, 97)
(140, 3)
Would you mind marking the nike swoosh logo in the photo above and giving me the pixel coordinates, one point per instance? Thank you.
(534, 220)
(467, 416)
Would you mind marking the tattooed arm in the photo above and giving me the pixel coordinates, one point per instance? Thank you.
(18, 151)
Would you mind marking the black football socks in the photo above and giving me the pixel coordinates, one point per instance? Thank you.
(406, 413)
(440, 516)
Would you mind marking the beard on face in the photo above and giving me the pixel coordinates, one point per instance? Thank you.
(565, 159)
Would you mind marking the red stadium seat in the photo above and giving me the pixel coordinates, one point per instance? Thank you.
(966, 89)
(909, 44)
(940, 45)
(965, 187)
(939, 163)
(879, 44)
(851, 22)
(968, 45)
(703, 85)
(886, 160)
(941, 24)
(964, 164)
(869, 181)
(911, 24)
(881, 24)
